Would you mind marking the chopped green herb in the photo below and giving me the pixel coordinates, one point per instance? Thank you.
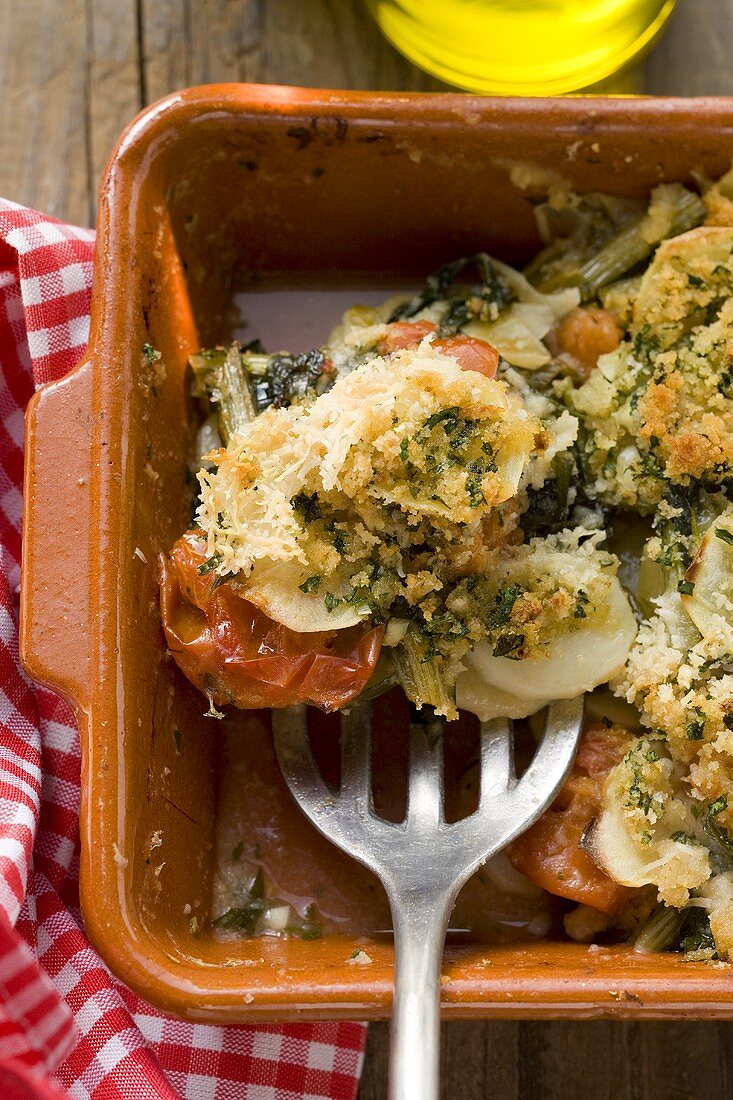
(508, 644)
(475, 492)
(210, 565)
(338, 540)
(151, 354)
(696, 726)
(639, 796)
(331, 601)
(501, 611)
(447, 417)
(311, 929)
(683, 838)
(403, 449)
(718, 805)
(581, 602)
(724, 536)
(686, 588)
(307, 506)
(310, 584)
(241, 918)
(651, 465)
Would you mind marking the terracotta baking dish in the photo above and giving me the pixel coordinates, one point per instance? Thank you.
(211, 191)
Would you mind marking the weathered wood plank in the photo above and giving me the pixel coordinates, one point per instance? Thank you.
(43, 107)
(165, 47)
(694, 55)
(564, 1060)
(115, 76)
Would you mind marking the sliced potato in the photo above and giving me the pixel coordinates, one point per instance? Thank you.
(273, 586)
(710, 603)
(576, 662)
(672, 856)
(685, 269)
(474, 695)
(609, 844)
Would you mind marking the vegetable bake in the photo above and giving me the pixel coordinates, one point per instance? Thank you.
(508, 489)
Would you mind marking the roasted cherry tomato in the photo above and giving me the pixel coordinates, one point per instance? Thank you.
(469, 352)
(235, 654)
(549, 853)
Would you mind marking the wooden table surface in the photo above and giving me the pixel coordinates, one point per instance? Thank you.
(72, 74)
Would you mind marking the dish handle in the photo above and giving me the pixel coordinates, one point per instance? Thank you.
(55, 611)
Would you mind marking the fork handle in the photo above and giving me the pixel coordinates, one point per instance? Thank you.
(419, 927)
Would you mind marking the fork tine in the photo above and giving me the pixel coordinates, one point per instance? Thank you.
(295, 757)
(555, 753)
(356, 738)
(425, 789)
(497, 758)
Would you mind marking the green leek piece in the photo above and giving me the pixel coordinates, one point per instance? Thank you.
(661, 931)
(421, 674)
(624, 251)
(220, 376)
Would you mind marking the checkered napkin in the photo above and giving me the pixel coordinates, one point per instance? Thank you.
(65, 1022)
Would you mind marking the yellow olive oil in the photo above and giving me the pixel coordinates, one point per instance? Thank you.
(521, 47)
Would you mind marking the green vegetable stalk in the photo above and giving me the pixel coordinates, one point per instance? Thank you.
(626, 250)
(220, 376)
(422, 674)
(660, 932)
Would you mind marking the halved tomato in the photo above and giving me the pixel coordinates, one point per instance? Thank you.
(469, 352)
(234, 653)
(549, 853)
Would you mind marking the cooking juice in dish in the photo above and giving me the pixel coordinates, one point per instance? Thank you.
(524, 47)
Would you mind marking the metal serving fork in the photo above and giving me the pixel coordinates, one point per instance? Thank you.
(423, 862)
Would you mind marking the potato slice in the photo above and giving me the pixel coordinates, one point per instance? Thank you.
(667, 848)
(686, 272)
(273, 586)
(576, 662)
(474, 695)
(610, 845)
(710, 603)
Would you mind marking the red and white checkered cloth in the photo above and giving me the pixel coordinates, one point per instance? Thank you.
(65, 1022)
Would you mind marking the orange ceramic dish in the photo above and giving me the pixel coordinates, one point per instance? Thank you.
(211, 191)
